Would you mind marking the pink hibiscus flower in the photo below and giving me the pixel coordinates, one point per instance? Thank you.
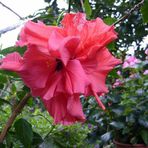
(145, 72)
(131, 62)
(146, 51)
(62, 63)
(117, 83)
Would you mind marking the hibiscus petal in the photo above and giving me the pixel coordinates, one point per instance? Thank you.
(95, 40)
(99, 101)
(106, 61)
(36, 53)
(77, 76)
(98, 68)
(62, 47)
(55, 40)
(35, 33)
(74, 107)
(71, 45)
(69, 48)
(11, 62)
(35, 75)
(73, 23)
(92, 33)
(97, 80)
(53, 82)
(35, 69)
(22, 39)
(101, 32)
(57, 108)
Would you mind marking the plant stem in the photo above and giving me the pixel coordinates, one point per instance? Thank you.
(142, 102)
(82, 5)
(53, 126)
(14, 114)
(42, 117)
(69, 6)
(11, 10)
(137, 6)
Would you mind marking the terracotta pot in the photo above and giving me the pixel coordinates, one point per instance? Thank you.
(122, 145)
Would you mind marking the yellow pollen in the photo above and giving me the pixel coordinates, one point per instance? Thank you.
(48, 64)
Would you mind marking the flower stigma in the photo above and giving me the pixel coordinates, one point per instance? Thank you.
(59, 65)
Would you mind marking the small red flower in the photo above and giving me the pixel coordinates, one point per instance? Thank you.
(62, 63)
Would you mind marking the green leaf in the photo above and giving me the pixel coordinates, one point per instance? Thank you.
(13, 88)
(49, 143)
(134, 140)
(130, 118)
(3, 101)
(118, 111)
(9, 73)
(111, 46)
(126, 130)
(144, 135)
(20, 50)
(2, 145)
(60, 18)
(37, 139)
(3, 79)
(1, 86)
(144, 11)
(9, 140)
(106, 137)
(117, 125)
(21, 94)
(19, 85)
(87, 7)
(143, 122)
(24, 132)
(109, 20)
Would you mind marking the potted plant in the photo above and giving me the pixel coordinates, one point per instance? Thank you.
(125, 121)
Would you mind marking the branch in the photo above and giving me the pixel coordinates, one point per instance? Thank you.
(11, 10)
(141, 103)
(129, 13)
(9, 28)
(43, 117)
(82, 5)
(14, 114)
(69, 6)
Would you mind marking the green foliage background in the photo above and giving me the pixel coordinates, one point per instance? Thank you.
(33, 127)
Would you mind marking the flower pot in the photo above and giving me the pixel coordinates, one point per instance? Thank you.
(123, 145)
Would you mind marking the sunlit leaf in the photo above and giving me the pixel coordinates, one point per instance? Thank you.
(87, 7)
(117, 125)
(106, 137)
(8, 50)
(109, 20)
(144, 11)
